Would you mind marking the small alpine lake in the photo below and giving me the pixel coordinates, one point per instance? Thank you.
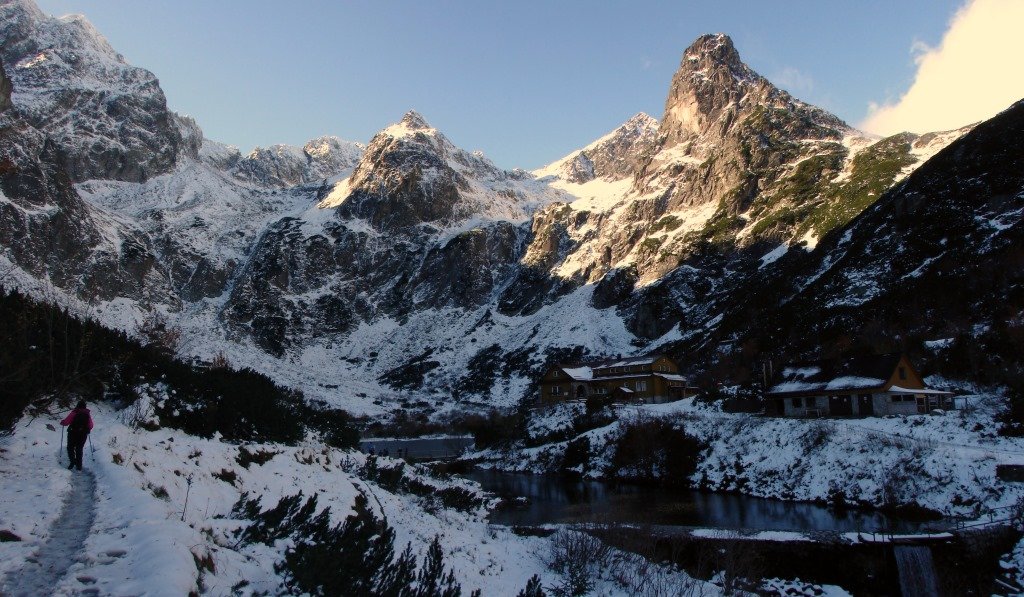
(532, 500)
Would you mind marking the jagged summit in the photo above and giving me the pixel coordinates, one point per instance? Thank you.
(711, 79)
(411, 173)
(613, 156)
(414, 120)
(714, 48)
(286, 165)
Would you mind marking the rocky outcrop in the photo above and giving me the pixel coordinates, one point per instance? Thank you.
(5, 90)
(286, 165)
(109, 118)
(727, 133)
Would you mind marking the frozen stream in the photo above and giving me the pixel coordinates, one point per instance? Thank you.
(551, 499)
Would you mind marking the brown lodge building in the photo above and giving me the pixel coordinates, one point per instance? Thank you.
(649, 379)
(860, 387)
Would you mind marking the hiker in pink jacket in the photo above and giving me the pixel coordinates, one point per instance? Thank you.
(79, 424)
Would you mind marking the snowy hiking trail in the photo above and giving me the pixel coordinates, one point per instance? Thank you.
(45, 568)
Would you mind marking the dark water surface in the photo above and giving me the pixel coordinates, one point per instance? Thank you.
(553, 499)
(419, 448)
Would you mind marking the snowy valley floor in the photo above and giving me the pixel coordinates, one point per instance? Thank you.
(141, 540)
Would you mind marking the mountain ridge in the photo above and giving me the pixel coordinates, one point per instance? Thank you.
(323, 266)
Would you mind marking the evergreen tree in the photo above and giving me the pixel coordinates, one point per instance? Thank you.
(432, 580)
(533, 588)
(397, 580)
(350, 559)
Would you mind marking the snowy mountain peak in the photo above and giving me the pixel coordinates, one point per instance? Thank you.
(713, 48)
(614, 156)
(414, 120)
(640, 120)
(713, 88)
(109, 117)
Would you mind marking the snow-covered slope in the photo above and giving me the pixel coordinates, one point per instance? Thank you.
(139, 534)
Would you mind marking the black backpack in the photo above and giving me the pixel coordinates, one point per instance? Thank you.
(80, 424)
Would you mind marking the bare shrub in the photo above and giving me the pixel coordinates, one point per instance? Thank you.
(578, 558)
(889, 440)
(735, 565)
(220, 361)
(895, 486)
(817, 435)
(639, 574)
(157, 332)
(138, 415)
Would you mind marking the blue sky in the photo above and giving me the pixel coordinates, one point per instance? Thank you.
(525, 82)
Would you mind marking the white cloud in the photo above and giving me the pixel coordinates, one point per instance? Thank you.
(794, 81)
(972, 75)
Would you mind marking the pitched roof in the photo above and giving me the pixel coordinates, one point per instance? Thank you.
(858, 373)
(626, 361)
(578, 373)
(584, 369)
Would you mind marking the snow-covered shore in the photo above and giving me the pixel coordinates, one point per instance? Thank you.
(943, 462)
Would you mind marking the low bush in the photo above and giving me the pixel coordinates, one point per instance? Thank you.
(656, 451)
(577, 557)
(576, 458)
(399, 478)
(495, 429)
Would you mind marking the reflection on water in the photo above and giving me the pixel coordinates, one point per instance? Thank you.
(554, 499)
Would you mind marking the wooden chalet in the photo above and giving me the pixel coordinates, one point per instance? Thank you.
(859, 387)
(647, 379)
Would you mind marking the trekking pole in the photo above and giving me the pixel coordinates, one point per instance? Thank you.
(187, 491)
(92, 448)
(61, 448)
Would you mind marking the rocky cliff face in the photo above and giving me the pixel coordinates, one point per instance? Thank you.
(930, 268)
(52, 234)
(110, 118)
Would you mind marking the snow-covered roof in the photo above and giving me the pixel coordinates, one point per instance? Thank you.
(833, 385)
(671, 376)
(853, 381)
(626, 361)
(856, 374)
(899, 390)
(579, 373)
